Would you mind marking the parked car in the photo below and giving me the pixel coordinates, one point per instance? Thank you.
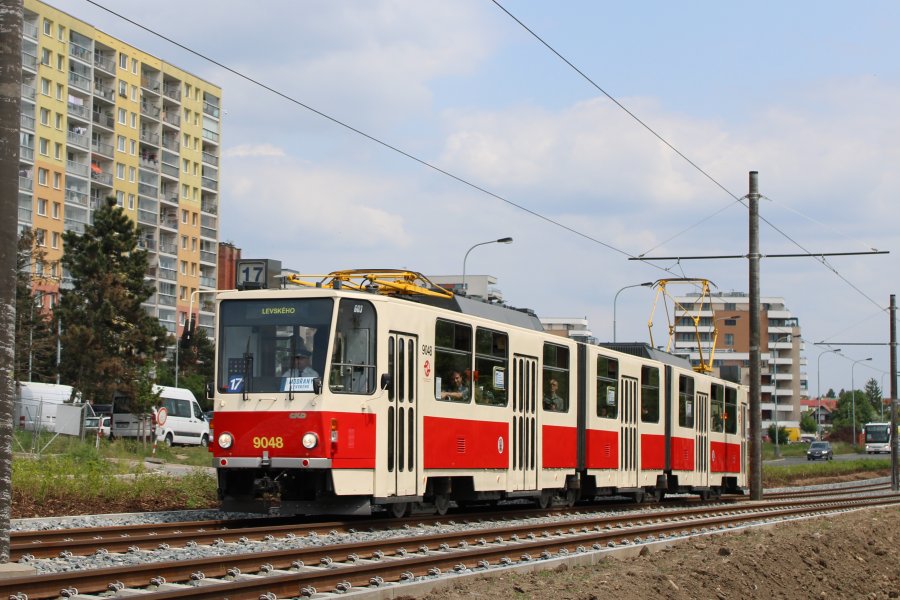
(91, 424)
(820, 450)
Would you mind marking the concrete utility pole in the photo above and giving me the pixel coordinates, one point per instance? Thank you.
(10, 106)
(755, 380)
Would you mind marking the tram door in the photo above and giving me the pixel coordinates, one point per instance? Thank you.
(629, 441)
(523, 452)
(701, 438)
(402, 460)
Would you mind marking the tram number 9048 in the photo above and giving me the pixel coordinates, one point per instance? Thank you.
(268, 442)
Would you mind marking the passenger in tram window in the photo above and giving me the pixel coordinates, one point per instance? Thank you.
(552, 400)
(300, 365)
(456, 389)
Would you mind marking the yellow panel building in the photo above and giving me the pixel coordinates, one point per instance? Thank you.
(102, 118)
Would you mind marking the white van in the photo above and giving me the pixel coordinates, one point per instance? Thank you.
(36, 404)
(182, 421)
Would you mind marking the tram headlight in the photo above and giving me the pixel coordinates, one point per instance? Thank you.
(310, 440)
(225, 440)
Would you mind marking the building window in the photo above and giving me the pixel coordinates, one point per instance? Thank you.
(56, 211)
(729, 339)
(57, 181)
(730, 306)
(134, 120)
(184, 240)
(44, 146)
(120, 143)
(120, 171)
(59, 91)
(45, 87)
(184, 267)
(185, 190)
(123, 88)
(185, 165)
(131, 174)
(120, 198)
(46, 57)
(184, 216)
(61, 33)
(39, 237)
(123, 61)
(133, 147)
(122, 116)
(48, 27)
(57, 151)
(60, 62)
(45, 117)
(42, 176)
(134, 65)
(59, 121)
(194, 219)
(42, 207)
(130, 201)
(54, 240)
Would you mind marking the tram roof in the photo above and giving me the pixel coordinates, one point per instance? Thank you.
(511, 316)
(647, 351)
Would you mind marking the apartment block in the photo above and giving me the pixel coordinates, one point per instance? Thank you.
(102, 118)
(783, 367)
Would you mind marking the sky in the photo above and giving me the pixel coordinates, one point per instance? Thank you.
(806, 93)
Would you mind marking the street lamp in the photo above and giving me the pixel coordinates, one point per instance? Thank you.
(188, 324)
(775, 392)
(853, 391)
(505, 240)
(616, 297)
(819, 389)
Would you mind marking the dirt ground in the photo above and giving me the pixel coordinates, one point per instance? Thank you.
(854, 555)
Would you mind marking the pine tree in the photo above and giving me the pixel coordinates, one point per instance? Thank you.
(108, 340)
(35, 330)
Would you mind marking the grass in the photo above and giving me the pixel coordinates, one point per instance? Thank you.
(784, 475)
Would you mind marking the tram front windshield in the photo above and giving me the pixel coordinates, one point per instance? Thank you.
(265, 343)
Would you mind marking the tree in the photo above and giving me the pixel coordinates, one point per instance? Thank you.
(784, 436)
(830, 393)
(35, 329)
(196, 362)
(808, 423)
(875, 396)
(11, 12)
(842, 417)
(108, 339)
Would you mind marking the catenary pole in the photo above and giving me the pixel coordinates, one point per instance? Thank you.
(10, 107)
(892, 315)
(755, 405)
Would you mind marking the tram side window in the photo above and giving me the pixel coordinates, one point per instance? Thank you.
(556, 378)
(353, 354)
(649, 395)
(717, 408)
(685, 401)
(491, 367)
(607, 390)
(452, 361)
(730, 410)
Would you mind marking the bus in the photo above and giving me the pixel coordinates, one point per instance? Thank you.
(878, 437)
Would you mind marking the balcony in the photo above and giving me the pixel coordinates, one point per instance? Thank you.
(173, 92)
(170, 274)
(149, 162)
(102, 178)
(26, 153)
(80, 52)
(78, 139)
(210, 184)
(147, 244)
(169, 170)
(101, 148)
(28, 92)
(79, 81)
(169, 223)
(209, 282)
(150, 137)
(166, 299)
(76, 226)
(170, 117)
(30, 30)
(26, 122)
(168, 248)
(76, 197)
(146, 217)
(25, 214)
(149, 110)
(208, 232)
(150, 84)
(150, 191)
(26, 184)
(209, 206)
(211, 109)
(29, 61)
(105, 64)
(76, 168)
(79, 110)
(107, 93)
(170, 143)
(211, 159)
(104, 120)
(212, 136)
(207, 257)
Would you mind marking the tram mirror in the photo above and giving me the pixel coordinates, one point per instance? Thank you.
(317, 386)
(387, 383)
(210, 390)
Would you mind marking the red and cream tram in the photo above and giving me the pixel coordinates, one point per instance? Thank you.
(377, 389)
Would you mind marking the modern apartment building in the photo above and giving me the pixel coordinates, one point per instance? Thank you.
(783, 368)
(102, 118)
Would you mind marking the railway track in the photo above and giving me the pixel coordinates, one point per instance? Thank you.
(411, 552)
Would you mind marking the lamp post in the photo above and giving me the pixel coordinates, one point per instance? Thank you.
(188, 324)
(853, 392)
(819, 389)
(616, 297)
(505, 240)
(775, 393)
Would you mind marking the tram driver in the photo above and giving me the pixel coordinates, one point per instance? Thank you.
(300, 365)
(456, 390)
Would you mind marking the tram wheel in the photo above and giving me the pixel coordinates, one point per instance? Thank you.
(399, 510)
(544, 500)
(659, 494)
(441, 504)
